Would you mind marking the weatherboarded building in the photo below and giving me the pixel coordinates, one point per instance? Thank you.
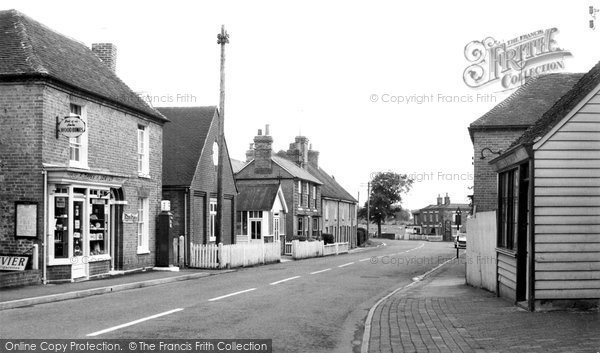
(79, 206)
(548, 233)
(493, 132)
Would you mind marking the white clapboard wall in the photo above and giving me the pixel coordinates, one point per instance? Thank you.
(567, 208)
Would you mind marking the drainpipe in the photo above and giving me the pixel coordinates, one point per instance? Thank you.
(185, 227)
(45, 227)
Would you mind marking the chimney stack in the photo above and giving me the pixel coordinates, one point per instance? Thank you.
(107, 52)
(250, 153)
(313, 157)
(439, 200)
(262, 153)
(447, 199)
(298, 151)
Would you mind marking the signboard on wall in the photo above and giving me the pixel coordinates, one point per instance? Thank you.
(130, 217)
(26, 220)
(13, 263)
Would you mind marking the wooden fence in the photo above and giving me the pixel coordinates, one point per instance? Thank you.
(306, 249)
(236, 255)
(288, 248)
(335, 249)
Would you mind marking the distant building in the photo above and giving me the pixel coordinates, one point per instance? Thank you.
(440, 218)
(301, 190)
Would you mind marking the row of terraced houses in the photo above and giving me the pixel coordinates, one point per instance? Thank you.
(79, 207)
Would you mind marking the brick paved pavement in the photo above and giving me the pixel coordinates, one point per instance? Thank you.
(442, 314)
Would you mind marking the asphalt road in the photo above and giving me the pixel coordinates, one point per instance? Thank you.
(313, 305)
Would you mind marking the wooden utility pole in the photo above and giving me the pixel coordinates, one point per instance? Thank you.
(222, 39)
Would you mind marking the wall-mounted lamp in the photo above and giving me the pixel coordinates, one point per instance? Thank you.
(492, 152)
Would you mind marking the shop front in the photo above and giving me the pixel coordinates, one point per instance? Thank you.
(84, 215)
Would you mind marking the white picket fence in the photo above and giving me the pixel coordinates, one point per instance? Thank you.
(235, 255)
(288, 248)
(306, 249)
(335, 249)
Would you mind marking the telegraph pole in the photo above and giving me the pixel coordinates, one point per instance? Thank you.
(368, 206)
(222, 39)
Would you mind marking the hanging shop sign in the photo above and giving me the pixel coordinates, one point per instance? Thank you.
(70, 126)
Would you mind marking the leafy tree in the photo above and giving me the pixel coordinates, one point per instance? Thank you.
(387, 189)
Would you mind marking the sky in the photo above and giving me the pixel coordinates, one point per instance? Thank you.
(374, 85)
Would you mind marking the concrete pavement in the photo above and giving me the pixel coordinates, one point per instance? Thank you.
(443, 314)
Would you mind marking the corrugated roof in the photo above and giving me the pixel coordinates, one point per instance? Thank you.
(527, 104)
(183, 141)
(330, 188)
(256, 197)
(562, 107)
(29, 49)
(294, 170)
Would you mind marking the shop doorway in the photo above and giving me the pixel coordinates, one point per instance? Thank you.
(117, 200)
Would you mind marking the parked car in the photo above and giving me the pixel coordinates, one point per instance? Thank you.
(460, 241)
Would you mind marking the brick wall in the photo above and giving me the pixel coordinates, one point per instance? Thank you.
(484, 192)
(28, 138)
(20, 278)
(112, 140)
(205, 180)
(99, 268)
(21, 176)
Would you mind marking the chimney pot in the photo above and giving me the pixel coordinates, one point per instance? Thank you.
(267, 130)
(259, 132)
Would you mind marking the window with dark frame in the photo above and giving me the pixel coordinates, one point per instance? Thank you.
(508, 201)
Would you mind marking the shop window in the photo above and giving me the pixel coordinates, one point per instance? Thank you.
(78, 146)
(143, 220)
(213, 220)
(98, 237)
(61, 227)
(508, 199)
(143, 151)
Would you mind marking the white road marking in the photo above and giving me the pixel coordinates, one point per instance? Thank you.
(314, 273)
(285, 280)
(348, 264)
(133, 322)
(231, 294)
(364, 260)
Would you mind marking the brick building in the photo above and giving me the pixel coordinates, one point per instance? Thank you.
(190, 158)
(498, 128)
(440, 218)
(302, 190)
(88, 203)
(340, 209)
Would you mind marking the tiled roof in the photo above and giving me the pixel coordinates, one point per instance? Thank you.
(237, 165)
(451, 206)
(294, 170)
(30, 49)
(527, 104)
(562, 107)
(183, 141)
(330, 188)
(256, 197)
